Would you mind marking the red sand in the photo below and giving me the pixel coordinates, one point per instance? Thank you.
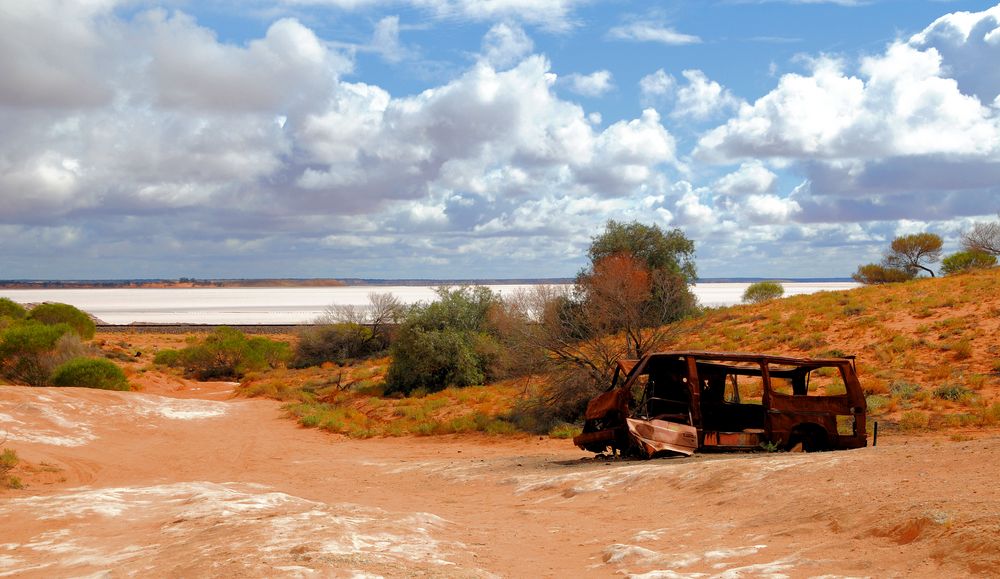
(175, 481)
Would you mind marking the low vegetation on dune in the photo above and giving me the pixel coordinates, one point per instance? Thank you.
(48, 346)
(351, 400)
(927, 355)
(226, 354)
(928, 352)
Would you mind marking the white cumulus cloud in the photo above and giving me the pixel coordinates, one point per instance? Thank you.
(594, 84)
(702, 98)
(505, 44)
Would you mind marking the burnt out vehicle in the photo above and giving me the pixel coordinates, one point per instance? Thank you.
(687, 401)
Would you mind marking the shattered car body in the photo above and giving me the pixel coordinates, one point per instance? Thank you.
(686, 401)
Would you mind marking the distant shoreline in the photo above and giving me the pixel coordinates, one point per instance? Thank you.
(346, 282)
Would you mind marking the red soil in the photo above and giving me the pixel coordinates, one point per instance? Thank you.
(183, 480)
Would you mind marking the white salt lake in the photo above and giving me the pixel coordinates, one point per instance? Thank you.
(294, 305)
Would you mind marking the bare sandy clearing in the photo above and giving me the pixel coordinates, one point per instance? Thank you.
(186, 487)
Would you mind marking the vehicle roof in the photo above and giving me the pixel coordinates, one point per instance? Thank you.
(749, 357)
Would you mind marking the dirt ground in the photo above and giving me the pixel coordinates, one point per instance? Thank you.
(183, 480)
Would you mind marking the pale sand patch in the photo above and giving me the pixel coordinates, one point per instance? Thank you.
(240, 527)
(62, 418)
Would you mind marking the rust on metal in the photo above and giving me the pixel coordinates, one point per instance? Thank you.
(685, 401)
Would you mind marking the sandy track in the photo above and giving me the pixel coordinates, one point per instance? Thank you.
(193, 484)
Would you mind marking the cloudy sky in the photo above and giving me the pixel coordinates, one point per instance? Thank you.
(486, 138)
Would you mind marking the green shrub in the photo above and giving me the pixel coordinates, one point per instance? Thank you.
(432, 360)
(953, 392)
(226, 354)
(875, 274)
(11, 309)
(904, 390)
(335, 343)
(444, 343)
(26, 351)
(90, 373)
(52, 313)
(967, 261)
(168, 357)
(763, 291)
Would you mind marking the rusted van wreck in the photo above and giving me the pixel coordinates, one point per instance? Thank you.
(686, 401)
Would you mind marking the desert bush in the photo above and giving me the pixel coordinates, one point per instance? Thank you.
(914, 420)
(961, 349)
(26, 351)
(90, 373)
(953, 392)
(53, 313)
(876, 403)
(379, 317)
(9, 460)
(967, 261)
(69, 346)
(444, 343)
(904, 390)
(227, 354)
(876, 274)
(336, 343)
(763, 291)
(11, 309)
(168, 357)
(432, 360)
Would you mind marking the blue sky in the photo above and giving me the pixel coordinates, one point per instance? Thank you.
(493, 138)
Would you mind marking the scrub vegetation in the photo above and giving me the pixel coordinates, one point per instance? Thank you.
(762, 291)
(48, 340)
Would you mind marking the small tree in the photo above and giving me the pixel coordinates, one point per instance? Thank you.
(984, 237)
(911, 252)
(966, 261)
(349, 331)
(763, 291)
(906, 256)
(658, 249)
(54, 313)
(622, 306)
(445, 343)
(90, 373)
(336, 343)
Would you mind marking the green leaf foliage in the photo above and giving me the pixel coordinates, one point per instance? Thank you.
(444, 343)
(660, 250)
(26, 350)
(967, 261)
(227, 354)
(11, 309)
(875, 274)
(763, 291)
(53, 313)
(90, 373)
